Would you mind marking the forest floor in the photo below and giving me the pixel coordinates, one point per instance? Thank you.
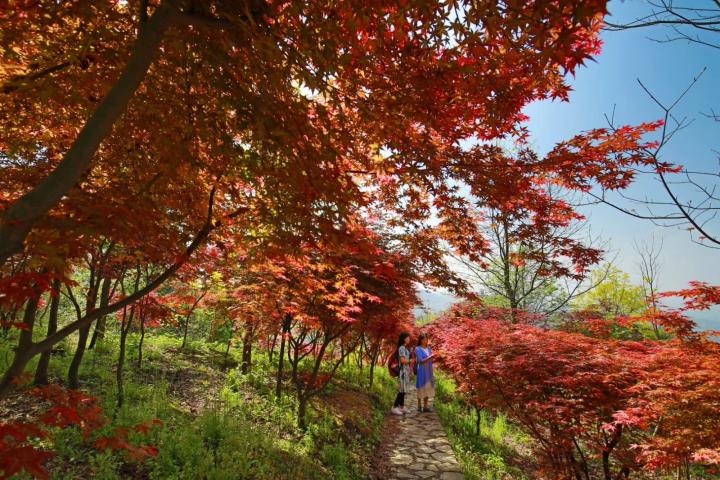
(217, 422)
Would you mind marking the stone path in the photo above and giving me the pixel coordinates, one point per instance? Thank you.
(417, 448)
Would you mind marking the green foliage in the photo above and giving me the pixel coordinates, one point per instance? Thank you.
(105, 466)
(615, 295)
(426, 319)
(223, 445)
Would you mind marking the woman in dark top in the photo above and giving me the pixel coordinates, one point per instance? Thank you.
(404, 380)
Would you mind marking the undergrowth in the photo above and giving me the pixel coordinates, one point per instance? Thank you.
(217, 422)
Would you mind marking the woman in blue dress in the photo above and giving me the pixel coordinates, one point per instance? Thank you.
(425, 383)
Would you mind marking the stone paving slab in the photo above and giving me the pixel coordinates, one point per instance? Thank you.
(418, 448)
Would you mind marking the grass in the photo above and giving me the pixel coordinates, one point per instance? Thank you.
(219, 423)
(487, 447)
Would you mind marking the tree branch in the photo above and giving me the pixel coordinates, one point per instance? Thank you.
(25, 212)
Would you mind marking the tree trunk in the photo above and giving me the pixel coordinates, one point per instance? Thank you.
(579, 467)
(74, 370)
(124, 330)
(607, 451)
(140, 343)
(24, 343)
(295, 362)
(227, 352)
(306, 389)
(374, 356)
(247, 351)
(84, 333)
(20, 217)
(372, 374)
(281, 359)
(606, 465)
(99, 332)
(271, 353)
(185, 332)
(302, 412)
(187, 318)
(120, 367)
(41, 372)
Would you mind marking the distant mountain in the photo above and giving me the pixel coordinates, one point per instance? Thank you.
(434, 301)
(707, 319)
(437, 301)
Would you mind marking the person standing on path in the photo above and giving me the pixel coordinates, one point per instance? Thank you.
(404, 381)
(425, 382)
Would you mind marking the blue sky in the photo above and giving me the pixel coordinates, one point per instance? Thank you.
(611, 80)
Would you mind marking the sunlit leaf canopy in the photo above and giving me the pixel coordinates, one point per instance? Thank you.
(301, 115)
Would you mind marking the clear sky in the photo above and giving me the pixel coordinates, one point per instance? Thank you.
(611, 80)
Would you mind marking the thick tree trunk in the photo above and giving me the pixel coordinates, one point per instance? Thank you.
(84, 333)
(74, 370)
(41, 372)
(606, 465)
(20, 217)
(24, 343)
(15, 369)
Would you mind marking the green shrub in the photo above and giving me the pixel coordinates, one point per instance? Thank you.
(221, 445)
